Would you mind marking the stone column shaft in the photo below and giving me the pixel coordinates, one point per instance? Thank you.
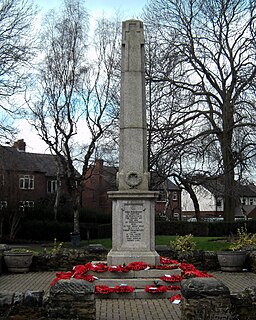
(133, 164)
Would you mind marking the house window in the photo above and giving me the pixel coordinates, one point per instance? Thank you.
(174, 196)
(176, 216)
(25, 205)
(162, 196)
(27, 182)
(52, 186)
(251, 201)
(3, 205)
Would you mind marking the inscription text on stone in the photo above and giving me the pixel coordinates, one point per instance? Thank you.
(133, 222)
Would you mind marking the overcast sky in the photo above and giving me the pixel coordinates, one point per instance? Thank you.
(128, 10)
(131, 8)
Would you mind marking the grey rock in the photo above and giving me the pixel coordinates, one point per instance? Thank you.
(196, 288)
(33, 298)
(72, 286)
(6, 298)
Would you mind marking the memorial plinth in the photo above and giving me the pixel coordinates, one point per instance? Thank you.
(133, 209)
(133, 228)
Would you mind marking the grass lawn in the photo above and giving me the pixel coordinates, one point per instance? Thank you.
(202, 243)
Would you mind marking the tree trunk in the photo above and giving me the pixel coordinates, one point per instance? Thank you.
(193, 197)
(167, 204)
(76, 221)
(57, 197)
(195, 202)
(76, 206)
(56, 204)
(230, 197)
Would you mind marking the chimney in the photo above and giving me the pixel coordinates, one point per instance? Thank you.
(20, 145)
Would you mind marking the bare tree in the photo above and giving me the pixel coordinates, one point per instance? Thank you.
(16, 52)
(73, 89)
(102, 112)
(171, 152)
(207, 56)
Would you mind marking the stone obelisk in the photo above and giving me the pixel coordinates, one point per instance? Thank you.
(133, 209)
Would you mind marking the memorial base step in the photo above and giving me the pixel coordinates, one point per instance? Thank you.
(137, 279)
(138, 294)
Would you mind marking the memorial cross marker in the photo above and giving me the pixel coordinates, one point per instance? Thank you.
(133, 211)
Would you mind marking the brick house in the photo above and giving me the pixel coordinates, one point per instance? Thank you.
(210, 195)
(168, 204)
(100, 179)
(25, 178)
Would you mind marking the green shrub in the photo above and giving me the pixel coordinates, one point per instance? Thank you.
(245, 239)
(183, 243)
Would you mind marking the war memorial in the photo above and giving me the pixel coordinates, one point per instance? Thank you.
(133, 235)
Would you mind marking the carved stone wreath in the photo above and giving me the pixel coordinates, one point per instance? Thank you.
(133, 179)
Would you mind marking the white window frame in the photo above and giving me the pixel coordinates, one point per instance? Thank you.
(26, 204)
(174, 195)
(52, 186)
(27, 182)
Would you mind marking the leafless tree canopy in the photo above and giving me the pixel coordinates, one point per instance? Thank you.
(16, 52)
(203, 84)
(75, 83)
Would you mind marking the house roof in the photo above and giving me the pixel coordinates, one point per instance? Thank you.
(159, 183)
(109, 176)
(12, 159)
(248, 190)
(216, 187)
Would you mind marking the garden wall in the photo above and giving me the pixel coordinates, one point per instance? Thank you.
(66, 259)
(208, 299)
(73, 299)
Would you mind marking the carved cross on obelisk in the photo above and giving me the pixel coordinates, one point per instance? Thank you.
(133, 164)
(133, 211)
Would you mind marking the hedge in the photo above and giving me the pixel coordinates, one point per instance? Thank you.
(208, 229)
(48, 230)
